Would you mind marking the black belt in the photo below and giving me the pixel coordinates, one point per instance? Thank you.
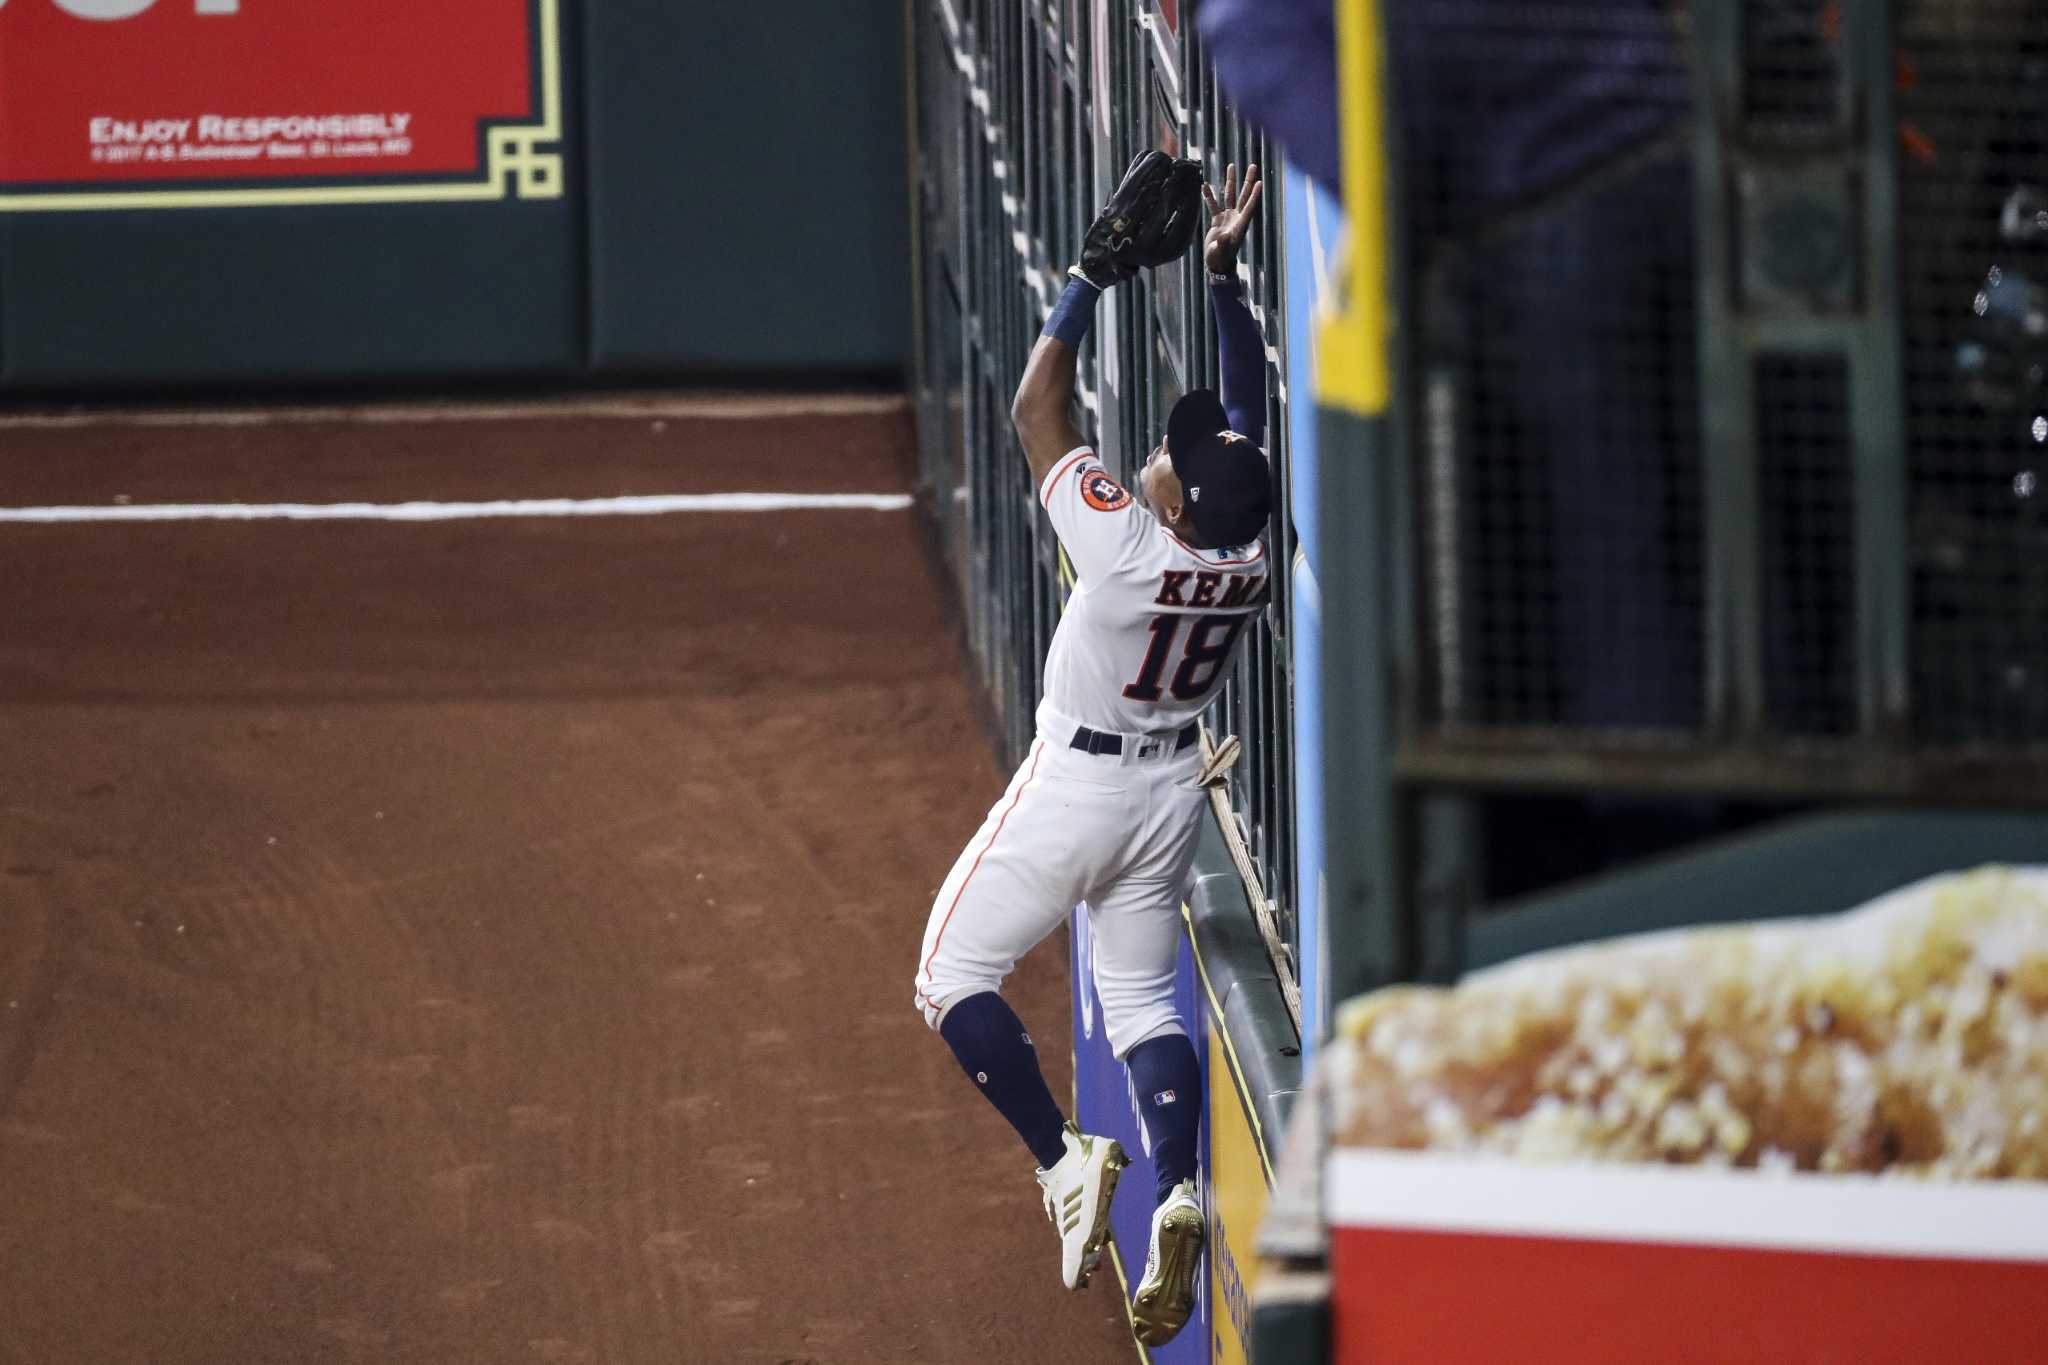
(1096, 742)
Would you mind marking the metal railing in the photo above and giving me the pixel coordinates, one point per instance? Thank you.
(1026, 113)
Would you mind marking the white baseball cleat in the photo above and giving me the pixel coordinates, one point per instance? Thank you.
(1167, 1293)
(1078, 1190)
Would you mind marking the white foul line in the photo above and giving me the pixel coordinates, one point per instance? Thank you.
(629, 407)
(460, 511)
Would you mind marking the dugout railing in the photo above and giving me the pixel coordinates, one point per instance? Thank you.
(1025, 114)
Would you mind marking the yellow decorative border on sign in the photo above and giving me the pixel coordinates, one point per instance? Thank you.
(521, 160)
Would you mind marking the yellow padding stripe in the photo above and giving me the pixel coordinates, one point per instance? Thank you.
(1353, 371)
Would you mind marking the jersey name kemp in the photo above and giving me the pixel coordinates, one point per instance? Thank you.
(1243, 590)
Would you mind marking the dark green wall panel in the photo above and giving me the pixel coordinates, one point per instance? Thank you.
(289, 296)
(748, 174)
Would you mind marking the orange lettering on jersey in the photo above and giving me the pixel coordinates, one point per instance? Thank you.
(1206, 583)
(1244, 590)
(1170, 586)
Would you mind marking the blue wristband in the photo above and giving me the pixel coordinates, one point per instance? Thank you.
(1074, 314)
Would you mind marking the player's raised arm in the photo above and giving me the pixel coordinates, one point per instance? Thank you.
(1240, 354)
(1150, 219)
(1043, 410)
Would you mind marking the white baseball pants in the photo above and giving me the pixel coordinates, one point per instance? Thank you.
(1116, 832)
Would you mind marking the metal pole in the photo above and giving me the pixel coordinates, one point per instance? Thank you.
(1877, 393)
(1734, 591)
(1366, 916)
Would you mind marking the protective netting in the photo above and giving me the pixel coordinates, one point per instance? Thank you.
(1808, 551)
(1548, 195)
(1973, 221)
(1560, 273)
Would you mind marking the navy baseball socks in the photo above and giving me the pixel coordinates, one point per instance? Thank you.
(996, 1053)
(1167, 1080)
(990, 1042)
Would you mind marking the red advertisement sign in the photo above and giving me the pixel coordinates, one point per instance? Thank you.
(119, 103)
(1471, 1258)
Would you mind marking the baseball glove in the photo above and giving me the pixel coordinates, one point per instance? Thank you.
(1150, 219)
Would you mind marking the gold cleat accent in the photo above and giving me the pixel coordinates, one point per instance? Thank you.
(1098, 1236)
(1167, 1294)
(1077, 1193)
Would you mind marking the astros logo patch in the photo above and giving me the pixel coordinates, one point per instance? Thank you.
(1102, 492)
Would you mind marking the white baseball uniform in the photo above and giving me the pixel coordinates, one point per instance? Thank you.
(1104, 809)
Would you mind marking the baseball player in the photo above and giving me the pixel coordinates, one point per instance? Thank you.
(1106, 807)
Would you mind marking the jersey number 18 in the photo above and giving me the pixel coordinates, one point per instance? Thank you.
(1209, 640)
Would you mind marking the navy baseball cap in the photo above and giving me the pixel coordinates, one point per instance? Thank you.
(1226, 477)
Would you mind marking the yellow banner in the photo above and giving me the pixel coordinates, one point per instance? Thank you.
(1353, 371)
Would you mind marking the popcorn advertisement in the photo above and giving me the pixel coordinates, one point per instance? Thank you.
(1811, 1140)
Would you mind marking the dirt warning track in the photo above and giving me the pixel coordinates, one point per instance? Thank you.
(490, 940)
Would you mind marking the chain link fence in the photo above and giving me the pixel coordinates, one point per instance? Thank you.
(1729, 374)
(1973, 199)
(1547, 202)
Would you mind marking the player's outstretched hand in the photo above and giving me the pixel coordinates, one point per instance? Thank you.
(1230, 217)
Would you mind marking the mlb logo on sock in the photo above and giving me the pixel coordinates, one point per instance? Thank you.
(1165, 1097)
